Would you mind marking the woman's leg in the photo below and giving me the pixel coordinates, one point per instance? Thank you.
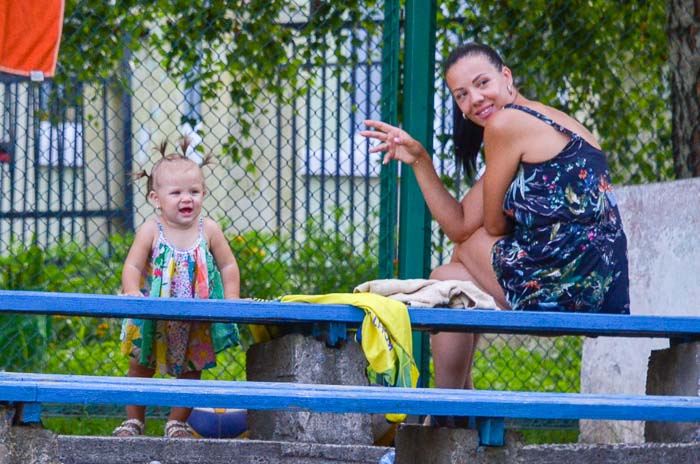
(475, 255)
(453, 353)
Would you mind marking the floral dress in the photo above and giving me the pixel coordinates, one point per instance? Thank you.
(568, 251)
(177, 347)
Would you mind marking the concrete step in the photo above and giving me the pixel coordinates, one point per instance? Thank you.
(25, 445)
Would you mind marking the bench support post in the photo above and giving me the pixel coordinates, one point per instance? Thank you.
(674, 371)
(417, 444)
(302, 359)
(491, 431)
(27, 413)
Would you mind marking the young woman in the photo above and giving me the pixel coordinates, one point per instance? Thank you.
(540, 230)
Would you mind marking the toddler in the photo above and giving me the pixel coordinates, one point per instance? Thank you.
(176, 253)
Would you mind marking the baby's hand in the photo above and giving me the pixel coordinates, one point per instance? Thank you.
(132, 293)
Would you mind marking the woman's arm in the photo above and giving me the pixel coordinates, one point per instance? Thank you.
(225, 261)
(503, 138)
(457, 219)
(137, 258)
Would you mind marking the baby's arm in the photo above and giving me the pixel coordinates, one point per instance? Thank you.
(219, 246)
(136, 259)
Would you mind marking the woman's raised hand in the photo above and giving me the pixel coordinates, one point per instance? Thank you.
(396, 143)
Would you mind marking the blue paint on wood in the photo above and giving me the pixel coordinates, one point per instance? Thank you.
(49, 388)
(31, 413)
(491, 431)
(490, 406)
(337, 332)
(277, 313)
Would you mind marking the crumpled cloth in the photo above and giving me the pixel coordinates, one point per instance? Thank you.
(430, 293)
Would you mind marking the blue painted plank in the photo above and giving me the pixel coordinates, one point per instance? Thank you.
(245, 311)
(346, 399)
(31, 413)
(557, 323)
(491, 431)
(484, 321)
(337, 332)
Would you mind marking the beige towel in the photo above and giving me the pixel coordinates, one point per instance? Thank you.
(429, 293)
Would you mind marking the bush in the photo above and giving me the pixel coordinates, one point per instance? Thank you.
(511, 365)
(271, 266)
(26, 341)
(325, 261)
(501, 366)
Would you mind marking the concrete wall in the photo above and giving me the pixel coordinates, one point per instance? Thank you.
(428, 445)
(415, 444)
(662, 222)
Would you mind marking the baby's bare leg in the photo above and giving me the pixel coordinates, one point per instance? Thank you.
(179, 413)
(137, 370)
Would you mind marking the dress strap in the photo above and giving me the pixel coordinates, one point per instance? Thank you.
(545, 119)
(160, 228)
(201, 230)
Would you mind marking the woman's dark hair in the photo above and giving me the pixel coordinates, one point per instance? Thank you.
(466, 135)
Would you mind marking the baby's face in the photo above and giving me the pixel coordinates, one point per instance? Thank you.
(179, 192)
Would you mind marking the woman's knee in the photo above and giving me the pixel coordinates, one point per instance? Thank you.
(451, 271)
(479, 242)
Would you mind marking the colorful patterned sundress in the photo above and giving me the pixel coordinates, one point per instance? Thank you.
(177, 347)
(568, 251)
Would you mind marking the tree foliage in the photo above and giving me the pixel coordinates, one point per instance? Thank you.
(599, 60)
(254, 50)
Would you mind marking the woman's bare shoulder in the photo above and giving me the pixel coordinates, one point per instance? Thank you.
(512, 123)
(567, 121)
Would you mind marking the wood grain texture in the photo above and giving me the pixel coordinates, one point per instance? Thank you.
(277, 313)
(54, 388)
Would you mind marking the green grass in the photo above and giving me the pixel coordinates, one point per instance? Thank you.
(96, 426)
(541, 437)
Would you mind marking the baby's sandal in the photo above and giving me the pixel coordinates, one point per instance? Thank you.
(129, 428)
(177, 429)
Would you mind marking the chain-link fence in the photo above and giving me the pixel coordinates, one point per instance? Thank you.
(278, 90)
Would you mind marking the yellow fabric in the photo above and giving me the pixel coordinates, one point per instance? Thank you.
(263, 333)
(386, 336)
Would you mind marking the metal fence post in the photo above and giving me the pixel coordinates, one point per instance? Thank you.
(390, 88)
(418, 115)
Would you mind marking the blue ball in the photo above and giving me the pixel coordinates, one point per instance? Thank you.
(218, 422)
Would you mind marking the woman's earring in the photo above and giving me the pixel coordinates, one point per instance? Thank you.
(158, 210)
(510, 89)
(464, 116)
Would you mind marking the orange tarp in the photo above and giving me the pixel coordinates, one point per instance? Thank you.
(30, 31)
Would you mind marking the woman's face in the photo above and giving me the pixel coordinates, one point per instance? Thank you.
(478, 87)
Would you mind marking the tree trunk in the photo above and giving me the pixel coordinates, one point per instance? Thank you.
(684, 61)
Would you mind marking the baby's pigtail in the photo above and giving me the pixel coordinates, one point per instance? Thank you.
(161, 148)
(184, 145)
(209, 160)
(140, 175)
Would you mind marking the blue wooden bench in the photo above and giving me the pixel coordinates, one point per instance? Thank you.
(32, 390)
